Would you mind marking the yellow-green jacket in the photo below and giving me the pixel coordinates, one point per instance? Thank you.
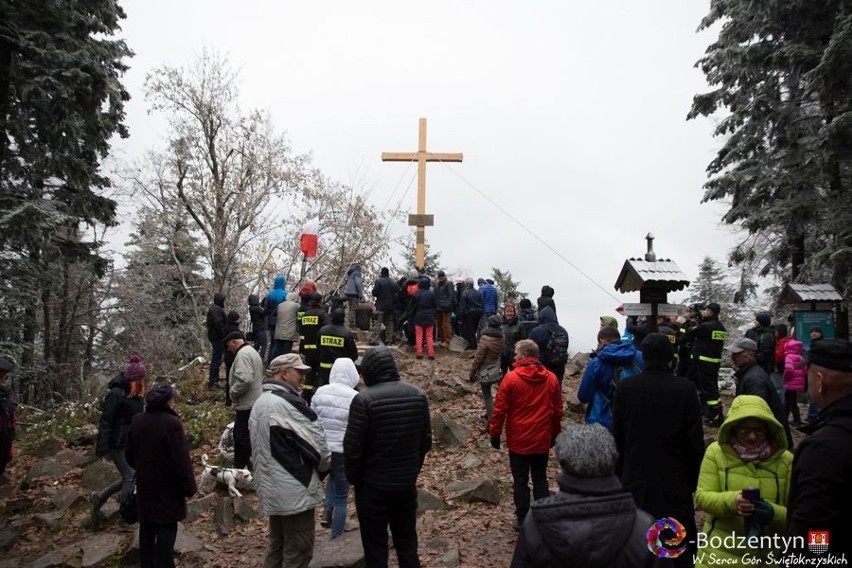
(723, 475)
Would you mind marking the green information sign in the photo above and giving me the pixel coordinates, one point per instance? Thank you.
(806, 320)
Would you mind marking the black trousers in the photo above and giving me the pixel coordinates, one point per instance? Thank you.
(157, 544)
(523, 468)
(791, 402)
(242, 439)
(379, 509)
(470, 322)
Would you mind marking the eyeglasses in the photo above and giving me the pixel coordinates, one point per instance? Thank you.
(759, 431)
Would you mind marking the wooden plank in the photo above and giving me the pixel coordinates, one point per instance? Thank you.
(419, 220)
(427, 156)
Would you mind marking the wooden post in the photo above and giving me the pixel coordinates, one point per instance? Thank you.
(421, 220)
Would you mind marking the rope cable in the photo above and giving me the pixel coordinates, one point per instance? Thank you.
(528, 230)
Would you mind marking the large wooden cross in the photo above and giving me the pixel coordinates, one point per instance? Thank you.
(421, 220)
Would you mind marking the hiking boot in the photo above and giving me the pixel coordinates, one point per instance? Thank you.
(325, 521)
(95, 500)
(432, 357)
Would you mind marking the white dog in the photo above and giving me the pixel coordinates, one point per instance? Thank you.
(235, 479)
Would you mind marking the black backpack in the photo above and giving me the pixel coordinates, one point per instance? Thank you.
(557, 347)
(621, 372)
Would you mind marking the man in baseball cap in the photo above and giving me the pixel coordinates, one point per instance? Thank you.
(751, 378)
(289, 453)
(822, 469)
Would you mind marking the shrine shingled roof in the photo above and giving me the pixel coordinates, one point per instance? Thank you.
(664, 274)
(797, 293)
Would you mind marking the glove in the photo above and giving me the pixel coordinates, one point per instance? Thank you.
(760, 519)
(763, 513)
(495, 442)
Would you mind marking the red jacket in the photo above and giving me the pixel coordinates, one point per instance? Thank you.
(779, 353)
(530, 403)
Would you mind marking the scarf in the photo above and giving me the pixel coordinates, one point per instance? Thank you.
(755, 455)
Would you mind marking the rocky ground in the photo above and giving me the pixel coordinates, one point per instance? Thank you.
(466, 503)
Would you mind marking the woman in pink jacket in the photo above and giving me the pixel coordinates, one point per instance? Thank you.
(795, 378)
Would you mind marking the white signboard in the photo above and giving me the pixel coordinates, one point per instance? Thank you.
(637, 309)
(662, 309)
(671, 310)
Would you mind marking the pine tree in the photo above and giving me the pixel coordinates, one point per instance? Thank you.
(507, 288)
(783, 71)
(432, 259)
(713, 285)
(60, 103)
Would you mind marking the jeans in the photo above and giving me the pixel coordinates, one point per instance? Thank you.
(523, 467)
(280, 347)
(379, 509)
(260, 339)
(291, 540)
(336, 494)
(242, 439)
(157, 544)
(487, 399)
(121, 486)
(215, 363)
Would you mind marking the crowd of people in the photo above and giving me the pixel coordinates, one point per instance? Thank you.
(649, 390)
(639, 459)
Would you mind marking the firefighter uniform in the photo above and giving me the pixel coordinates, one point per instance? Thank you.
(309, 324)
(708, 339)
(335, 341)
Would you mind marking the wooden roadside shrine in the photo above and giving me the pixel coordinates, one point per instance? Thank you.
(654, 279)
(421, 220)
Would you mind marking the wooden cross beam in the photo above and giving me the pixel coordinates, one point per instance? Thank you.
(421, 220)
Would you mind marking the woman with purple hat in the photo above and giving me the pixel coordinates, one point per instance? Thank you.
(122, 402)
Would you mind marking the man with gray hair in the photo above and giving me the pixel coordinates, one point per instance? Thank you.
(592, 520)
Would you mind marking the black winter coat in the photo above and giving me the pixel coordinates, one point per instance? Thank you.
(752, 379)
(385, 291)
(656, 422)
(257, 314)
(335, 341)
(445, 295)
(590, 522)
(389, 430)
(116, 414)
(216, 318)
(425, 305)
(822, 475)
(157, 449)
(470, 302)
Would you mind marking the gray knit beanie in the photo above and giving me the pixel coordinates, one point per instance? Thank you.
(587, 450)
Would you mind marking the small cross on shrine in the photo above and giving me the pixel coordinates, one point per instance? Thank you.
(421, 220)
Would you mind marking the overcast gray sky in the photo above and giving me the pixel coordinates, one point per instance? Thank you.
(571, 116)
